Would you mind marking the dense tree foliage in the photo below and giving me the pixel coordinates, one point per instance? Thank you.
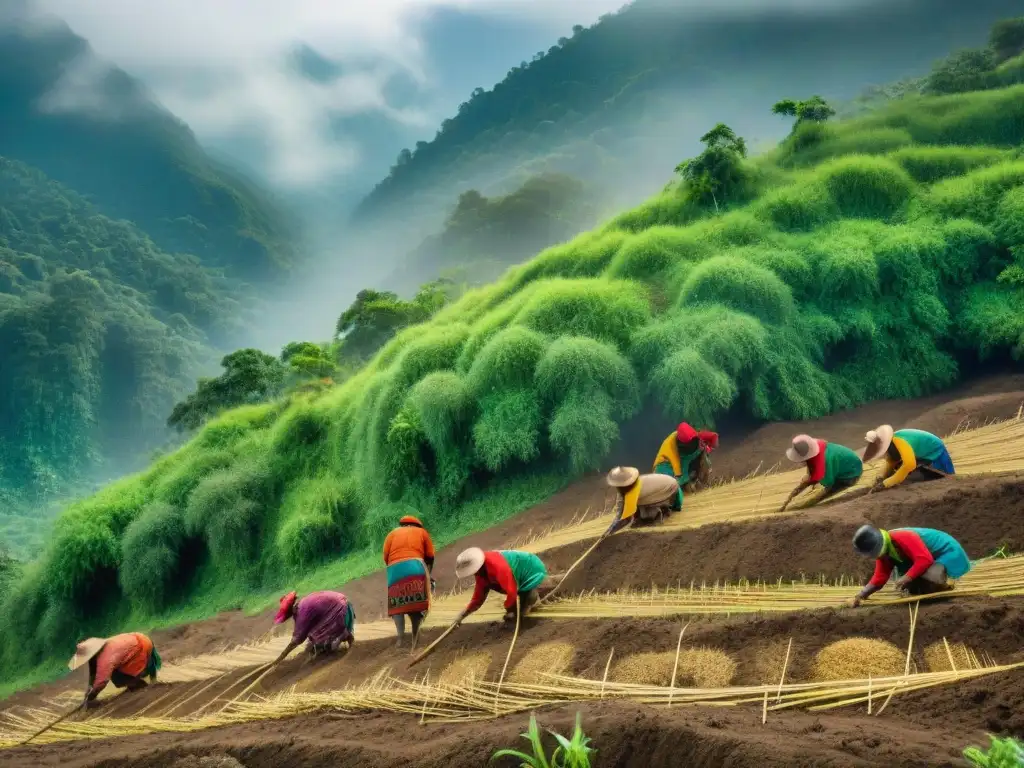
(100, 333)
(997, 65)
(109, 141)
(717, 175)
(814, 109)
(482, 236)
(878, 261)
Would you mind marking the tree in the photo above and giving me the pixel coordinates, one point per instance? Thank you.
(814, 109)
(403, 157)
(577, 28)
(967, 70)
(717, 172)
(306, 360)
(250, 376)
(1007, 38)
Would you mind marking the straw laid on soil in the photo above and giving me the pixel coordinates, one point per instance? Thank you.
(468, 667)
(481, 700)
(703, 667)
(546, 659)
(997, 447)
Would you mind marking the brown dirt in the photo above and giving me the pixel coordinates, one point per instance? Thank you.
(624, 735)
(975, 510)
(928, 728)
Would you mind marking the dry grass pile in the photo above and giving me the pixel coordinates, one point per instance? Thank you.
(700, 667)
(769, 662)
(470, 666)
(950, 657)
(546, 659)
(857, 658)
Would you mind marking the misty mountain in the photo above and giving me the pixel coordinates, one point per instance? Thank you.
(620, 103)
(96, 129)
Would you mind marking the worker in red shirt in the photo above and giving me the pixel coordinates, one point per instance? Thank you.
(922, 557)
(513, 574)
(123, 660)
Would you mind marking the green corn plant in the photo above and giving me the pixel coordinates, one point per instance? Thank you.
(1004, 753)
(572, 753)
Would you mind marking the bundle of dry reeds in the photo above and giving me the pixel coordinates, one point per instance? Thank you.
(476, 699)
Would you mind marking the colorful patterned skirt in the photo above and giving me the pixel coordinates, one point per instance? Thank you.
(408, 587)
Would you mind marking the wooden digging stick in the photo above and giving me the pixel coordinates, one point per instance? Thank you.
(60, 719)
(430, 648)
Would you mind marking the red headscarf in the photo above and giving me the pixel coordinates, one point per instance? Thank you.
(685, 433)
(285, 612)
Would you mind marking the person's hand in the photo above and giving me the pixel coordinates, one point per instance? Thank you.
(509, 616)
(433, 585)
(902, 584)
(783, 507)
(854, 602)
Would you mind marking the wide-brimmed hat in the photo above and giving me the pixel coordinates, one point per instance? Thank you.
(287, 603)
(469, 562)
(410, 520)
(86, 650)
(869, 541)
(623, 477)
(804, 448)
(878, 442)
(685, 433)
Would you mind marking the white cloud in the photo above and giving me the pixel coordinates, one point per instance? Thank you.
(225, 67)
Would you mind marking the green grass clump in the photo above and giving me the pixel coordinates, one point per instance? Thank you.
(878, 259)
(867, 187)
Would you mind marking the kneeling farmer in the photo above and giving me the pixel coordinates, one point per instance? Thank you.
(833, 466)
(923, 557)
(122, 660)
(906, 451)
(326, 619)
(510, 572)
(642, 498)
(684, 455)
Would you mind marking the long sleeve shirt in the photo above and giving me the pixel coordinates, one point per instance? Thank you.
(322, 617)
(909, 446)
(408, 542)
(127, 654)
(509, 573)
(912, 548)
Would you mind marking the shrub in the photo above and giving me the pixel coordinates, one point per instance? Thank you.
(507, 361)
(586, 368)
(606, 310)
(931, 164)
(151, 551)
(976, 195)
(798, 208)
(653, 252)
(320, 521)
(508, 429)
(1009, 225)
(740, 285)
(867, 187)
(687, 384)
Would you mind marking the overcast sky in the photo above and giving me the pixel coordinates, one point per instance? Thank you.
(224, 66)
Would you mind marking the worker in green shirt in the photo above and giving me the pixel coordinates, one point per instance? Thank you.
(833, 466)
(907, 451)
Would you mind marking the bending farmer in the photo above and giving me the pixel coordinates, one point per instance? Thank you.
(924, 558)
(409, 557)
(509, 572)
(123, 660)
(907, 451)
(325, 619)
(684, 456)
(642, 499)
(833, 466)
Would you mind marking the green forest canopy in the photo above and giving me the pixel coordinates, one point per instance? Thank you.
(860, 260)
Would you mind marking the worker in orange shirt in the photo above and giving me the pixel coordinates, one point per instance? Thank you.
(123, 660)
(409, 557)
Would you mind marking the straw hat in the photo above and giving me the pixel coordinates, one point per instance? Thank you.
(86, 650)
(469, 562)
(623, 477)
(287, 603)
(410, 520)
(685, 433)
(878, 442)
(804, 448)
(869, 541)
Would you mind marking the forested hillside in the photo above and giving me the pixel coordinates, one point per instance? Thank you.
(482, 236)
(875, 258)
(94, 128)
(128, 261)
(617, 103)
